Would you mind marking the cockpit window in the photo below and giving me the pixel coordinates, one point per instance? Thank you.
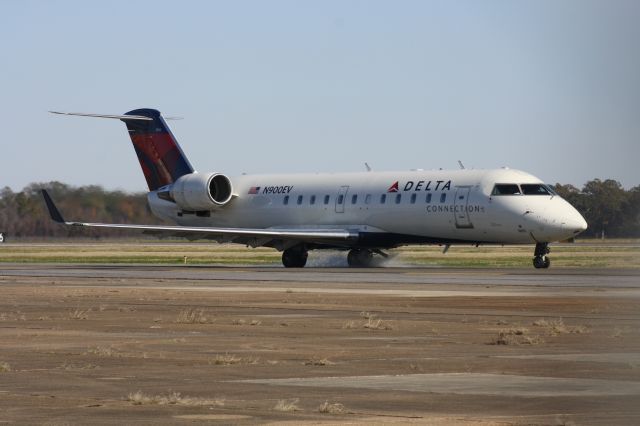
(534, 189)
(506, 189)
(551, 190)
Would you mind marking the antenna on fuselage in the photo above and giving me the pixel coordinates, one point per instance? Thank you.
(367, 166)
(461, 165)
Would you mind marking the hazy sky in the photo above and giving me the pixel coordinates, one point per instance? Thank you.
(550, 87)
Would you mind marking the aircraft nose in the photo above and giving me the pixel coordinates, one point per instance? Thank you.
(575, 223)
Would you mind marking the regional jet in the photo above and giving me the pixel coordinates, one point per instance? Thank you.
(363, 213)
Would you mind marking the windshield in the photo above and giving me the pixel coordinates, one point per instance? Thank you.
(506, 189)
(534, 189)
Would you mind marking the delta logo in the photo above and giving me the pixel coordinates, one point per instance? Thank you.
(421, 185)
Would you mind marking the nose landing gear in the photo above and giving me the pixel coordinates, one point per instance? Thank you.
(540, 259)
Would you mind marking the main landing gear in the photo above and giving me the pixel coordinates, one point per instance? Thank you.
(295, 257)
(360, 258)
(363, 258)
(540, 259)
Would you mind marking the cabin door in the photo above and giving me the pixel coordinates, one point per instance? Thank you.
(341, 199)
(460, 207)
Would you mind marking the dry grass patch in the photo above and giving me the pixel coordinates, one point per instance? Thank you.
(192, 316)
(111, 352)
(4, 367)
(173, 398)
(331, 408)
(557, 326)
(374, 323)
(287, 405)
(319, 362)
(516, 336)
(349, 325)
(67, 366)
(79, 314)
(230, 359)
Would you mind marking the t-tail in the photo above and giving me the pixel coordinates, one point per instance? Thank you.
(158, 151)
(160, 156)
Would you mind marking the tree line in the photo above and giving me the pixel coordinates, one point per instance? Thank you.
(24, 214)
(606, 206)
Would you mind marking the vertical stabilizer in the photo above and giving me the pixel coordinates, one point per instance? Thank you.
(160, 156)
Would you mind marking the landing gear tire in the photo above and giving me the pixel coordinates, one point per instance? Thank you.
(295, 257)
(360, 258)
(541, 260)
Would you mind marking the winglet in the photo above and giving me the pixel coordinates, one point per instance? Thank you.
(53, 210)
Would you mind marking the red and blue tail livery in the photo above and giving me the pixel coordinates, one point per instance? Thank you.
(160, 156)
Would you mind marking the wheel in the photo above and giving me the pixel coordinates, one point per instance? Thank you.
(541, 262)
(294, 258)
(360, 258)
(352, 258)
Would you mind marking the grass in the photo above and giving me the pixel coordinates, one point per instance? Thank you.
(104, 352)
(230, 359)
(192, 316)
(331, 408)
(287, 405)
(4, 367)
(516, 336)
(589, 254)
(557, 326)
(321, 362)
(371, 322)
(172, 398)
(79, 314)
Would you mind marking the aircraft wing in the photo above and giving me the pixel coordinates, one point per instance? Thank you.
(280, 238)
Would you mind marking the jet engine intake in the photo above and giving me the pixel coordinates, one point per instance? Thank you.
(206, 191)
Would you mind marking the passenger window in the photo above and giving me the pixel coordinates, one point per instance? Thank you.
(413, 198)
(354, 198)
(340, 199)
(312, 200)
(367, 199)
(506, 189)
(443, 197)
(534, 189)
(300, 199)
(326, 199)
(285, 201)
(398, 198)
(383, 198)
(429, 198)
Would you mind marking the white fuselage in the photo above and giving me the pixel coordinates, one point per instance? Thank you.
(441, 206)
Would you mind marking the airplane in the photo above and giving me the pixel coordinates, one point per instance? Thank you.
(364, 213)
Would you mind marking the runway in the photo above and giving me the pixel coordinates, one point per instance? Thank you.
(388, 345)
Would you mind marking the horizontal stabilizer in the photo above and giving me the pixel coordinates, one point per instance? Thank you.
(118, 117)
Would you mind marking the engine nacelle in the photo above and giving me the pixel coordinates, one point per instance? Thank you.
(197, 192)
